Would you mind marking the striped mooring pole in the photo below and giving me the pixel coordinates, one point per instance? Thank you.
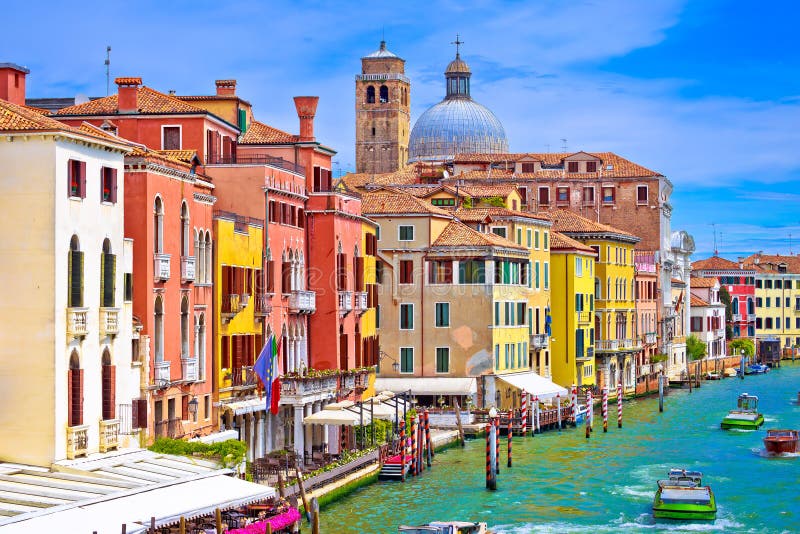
(491, 478)
(619, 405)
(497, 444)
(403, 450)
(587, 416)
(414, 447)
(524, 414)
(428, 443)
(537, 423)
(510, 420)
(590, 408)
(605, 408)
(558, 409)
(573, 404)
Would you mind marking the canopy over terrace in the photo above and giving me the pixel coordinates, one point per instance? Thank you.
(336, 414)
(536, 385)
(429, 385)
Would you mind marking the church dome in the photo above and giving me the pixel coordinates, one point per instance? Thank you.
(457, 124)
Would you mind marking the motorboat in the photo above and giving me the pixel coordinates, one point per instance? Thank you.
(712, 376)
(730, 372)
(745, 416)
(683, 496)
(779, 441)
(757, 368)
(446, 527)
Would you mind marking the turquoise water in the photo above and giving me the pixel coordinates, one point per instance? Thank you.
(562, 482)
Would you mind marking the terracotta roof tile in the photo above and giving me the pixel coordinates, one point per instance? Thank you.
(714, 263)
(360, 181)
(23, 118)
(459, 234)
(259, 133)
(559, 241)
(770, 262)
(488, 191)
(159, 156)
(129, 80)
(703, 282)
(393, 202)
(149, 101)
(697, 302)
(566, 221)
(620, 167)
(186, 156)
(481, 214)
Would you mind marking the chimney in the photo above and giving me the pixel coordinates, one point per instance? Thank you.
(226, 87)
(128, 90)
(12, 83)
(306, 109)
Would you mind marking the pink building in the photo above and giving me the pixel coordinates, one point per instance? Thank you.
(739, 280)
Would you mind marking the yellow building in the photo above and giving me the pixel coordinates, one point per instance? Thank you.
(614, 330)
(777, 297)
(572, 311)
(366, 297)
(238, 325)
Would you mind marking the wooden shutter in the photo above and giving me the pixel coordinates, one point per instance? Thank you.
(75, 397)
(139, 413)
(70, 397)
(286, 277)
(108, 279)
(225, 350)
(359, 274)
(185, 408)
(113, 185)
(76, 279)
(109, 393)
(82, 178)
(70, 176)
(271, 276)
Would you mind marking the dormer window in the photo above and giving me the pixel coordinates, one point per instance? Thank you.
(591, 166)
(572, 166)
(529, 167)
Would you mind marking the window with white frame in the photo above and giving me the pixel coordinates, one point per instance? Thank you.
(406, 233)
(442, 359)
(406, 359)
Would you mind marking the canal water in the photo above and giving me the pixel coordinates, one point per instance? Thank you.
(562, 482)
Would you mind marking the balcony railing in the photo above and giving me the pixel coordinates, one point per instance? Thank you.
(650, 338)
(587, 354)
(187, 268)
(162, 374)
(231, 304)
(538, 341)
(244, 377)
(360, 301)
(189, 369)
(244, 300)
(77, 441)
(76, 322)
(381, 77)
(172, 428)
(263, 306)
(345, 302)
(255, 159)
(109, 435)
(161, 266)
(109, 321)
(294, 386)
(736, 317)
(302, 301)
(627, 344)
(584, 317)
(605, 345)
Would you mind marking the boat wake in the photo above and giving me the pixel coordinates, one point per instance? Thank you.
(770, 420)
(744, 430)
(763, 453)
(643, 522)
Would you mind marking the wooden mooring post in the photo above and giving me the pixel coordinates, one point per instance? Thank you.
(491, 477)
(458, 424)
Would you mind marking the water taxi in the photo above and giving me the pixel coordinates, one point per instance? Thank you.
(745, 416)
(780, 441)
(757, 368)
(683, 496)
(446, 527)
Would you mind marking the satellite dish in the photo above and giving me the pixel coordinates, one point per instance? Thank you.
(445, 174)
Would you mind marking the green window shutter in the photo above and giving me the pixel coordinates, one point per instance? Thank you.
(536, 240)
(108, 277)
(546, 275)
(102, 279)
(69, 281)
(76, 279)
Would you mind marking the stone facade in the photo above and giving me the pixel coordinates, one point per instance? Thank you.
(382, 113)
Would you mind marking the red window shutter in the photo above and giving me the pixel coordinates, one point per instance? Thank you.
(82, 177)
(135, 413)
(70, 397)
(139, 413)
(225, 353)
(70, 176)
(185, 408)
(270, 276)
(109, 393)
(359, 275)
(317, 183)
(114, 185)
(79, 414)
(286, 275)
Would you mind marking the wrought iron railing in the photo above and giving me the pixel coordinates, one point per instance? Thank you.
(255, 159)
(169, 428)
(243, 377)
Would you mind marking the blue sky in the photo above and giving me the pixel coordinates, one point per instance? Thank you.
(705, 92)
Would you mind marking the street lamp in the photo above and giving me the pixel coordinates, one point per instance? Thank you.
(193, 408)
(395, 364)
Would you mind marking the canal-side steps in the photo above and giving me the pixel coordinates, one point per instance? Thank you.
(392, 468)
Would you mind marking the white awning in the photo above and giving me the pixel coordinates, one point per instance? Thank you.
(167, 502)
(245, 406)
(536, 385)
(429, 385)
(336, 417)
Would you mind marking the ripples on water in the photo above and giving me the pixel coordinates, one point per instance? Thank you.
(562, 482)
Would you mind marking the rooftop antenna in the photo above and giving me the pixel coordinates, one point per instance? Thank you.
(547, 147)
(714, 226)
(563, 145)
(790, 243)
(458, 44)
(108, 65)
(338, 169)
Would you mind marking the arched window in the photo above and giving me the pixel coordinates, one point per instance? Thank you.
(158, 226)
(108, 272)
(735, 305)
(200, 252)
(185, 328)
(370, 95)
(75, 390)
(598, 289)
(200, 350)
(108, 387)
(184, 229)
(597, 327)
(208, 250)
(608, 288)
(75, 274)
(751, 310)
(384, 94)
(158, 330)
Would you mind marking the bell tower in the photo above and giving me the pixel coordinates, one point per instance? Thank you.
(382, 113)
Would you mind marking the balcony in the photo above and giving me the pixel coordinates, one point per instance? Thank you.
(606, 345)
(299, 387)
(650, 338)
(162, 374)
(628, 344)
(360, 301)
(161, 267)
(263, 307)
(244, 300)
(230, 305)
(256, 159)
(76, 322)
(736, 317)
(302, 301)
(187, 268)
(109, 321)
(77, 441)
(585, 317)
(345, 302)
(244, 378)
(109, 435)
(189, 369)
(587, 355)
(538, 341)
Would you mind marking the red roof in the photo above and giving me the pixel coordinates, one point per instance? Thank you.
(259, 133)
(148, 101)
